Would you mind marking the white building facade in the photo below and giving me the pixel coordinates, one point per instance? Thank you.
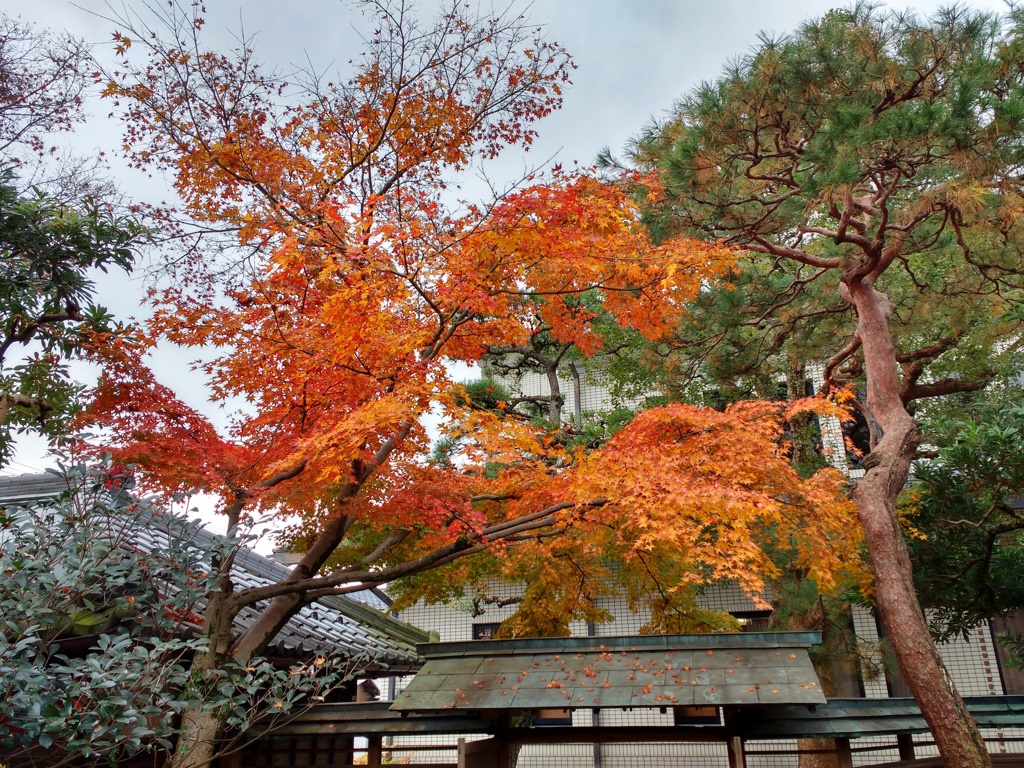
(976, 663)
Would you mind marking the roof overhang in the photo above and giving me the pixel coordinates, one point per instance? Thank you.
(743, 669)
(852, 718)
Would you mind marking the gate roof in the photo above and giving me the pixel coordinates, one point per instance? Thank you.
(742, 669)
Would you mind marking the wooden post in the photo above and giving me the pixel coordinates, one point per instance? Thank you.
(844, 757)
(905, 744)
(503, 756)
(737, 758)
(373, 752)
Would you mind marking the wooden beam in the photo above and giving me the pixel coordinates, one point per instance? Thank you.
(844, 757)
(737, 758)
(905, 744)
(373, 752)
(611, 734)
(484, 753)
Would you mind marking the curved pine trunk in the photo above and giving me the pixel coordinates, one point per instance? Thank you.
(887, 468)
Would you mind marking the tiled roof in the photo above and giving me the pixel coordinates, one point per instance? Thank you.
(21, 489)
(340, 624)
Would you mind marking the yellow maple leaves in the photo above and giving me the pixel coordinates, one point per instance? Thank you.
(717, 488)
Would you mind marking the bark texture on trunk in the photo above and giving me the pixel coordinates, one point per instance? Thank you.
(201, 731)
(281, 609)
(198, 740)
(886, 470)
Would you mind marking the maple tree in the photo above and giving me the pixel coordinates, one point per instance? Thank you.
(334, 277)
(875, 154)
(46, 78)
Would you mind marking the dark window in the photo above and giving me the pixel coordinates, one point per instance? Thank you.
(697, 715)
(715, 400)
(485, 631)
(753, 621)
(846, 681)
(844, 672)
(552, 717)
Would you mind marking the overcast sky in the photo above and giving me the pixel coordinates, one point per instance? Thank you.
(634, 58)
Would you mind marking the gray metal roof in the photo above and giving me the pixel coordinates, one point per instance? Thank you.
(839, 718)
(851, 718)
(610, 672)
(374, 718)
(340, 624)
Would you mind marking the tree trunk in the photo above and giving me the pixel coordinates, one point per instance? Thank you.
(887, 468)
(201, 731)
(198, 740)
(555, 388)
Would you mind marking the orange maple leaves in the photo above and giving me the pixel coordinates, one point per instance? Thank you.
(344, 286)
(717, 488)
(549, 244)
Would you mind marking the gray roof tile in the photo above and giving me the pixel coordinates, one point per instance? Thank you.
(340, 624)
